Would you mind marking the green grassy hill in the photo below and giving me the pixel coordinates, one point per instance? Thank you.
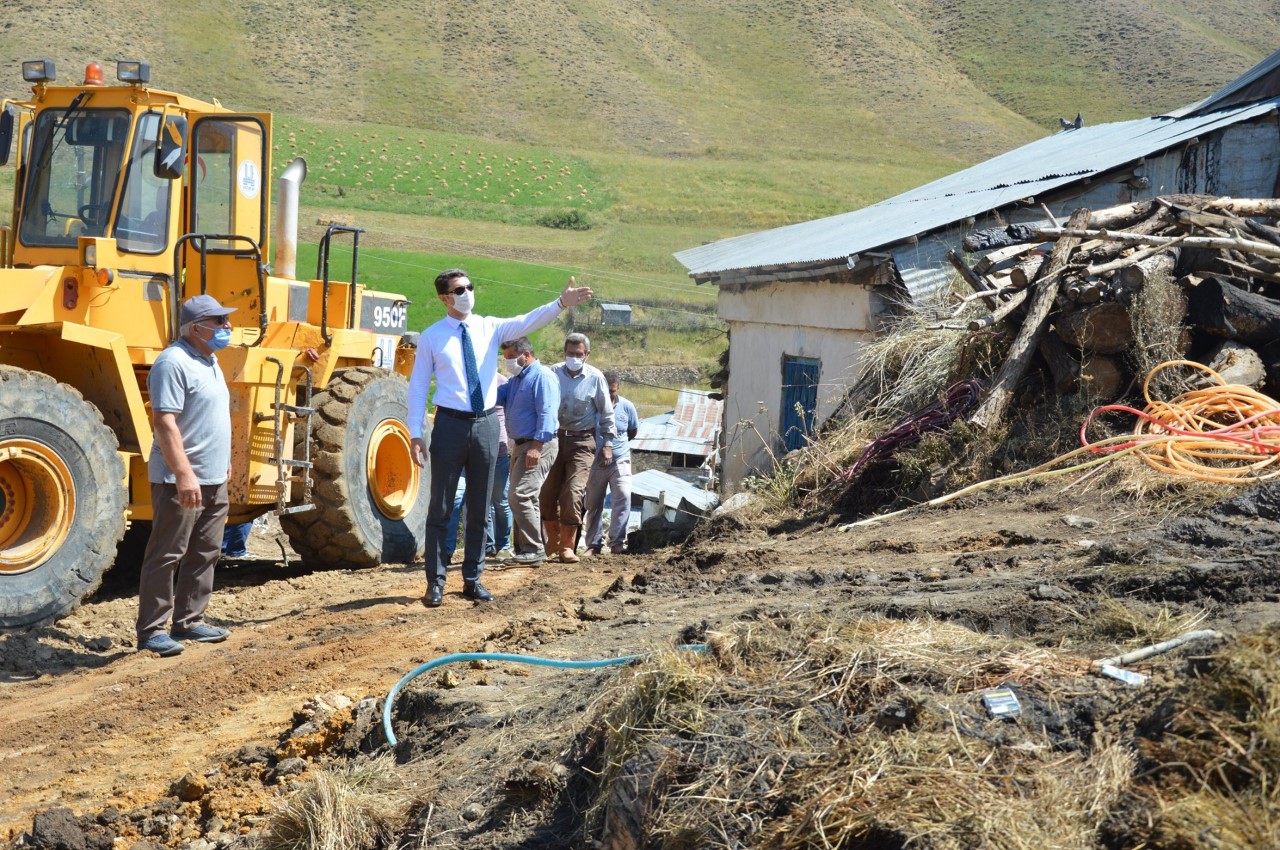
(654, 125)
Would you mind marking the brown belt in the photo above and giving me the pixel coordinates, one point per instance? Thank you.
(565, 432)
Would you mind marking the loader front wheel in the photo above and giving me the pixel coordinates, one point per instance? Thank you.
(370, 498)
(62, 498)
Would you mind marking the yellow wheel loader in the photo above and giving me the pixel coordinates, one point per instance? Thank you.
(127, 201)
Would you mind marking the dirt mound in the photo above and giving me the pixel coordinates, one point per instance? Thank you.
(857, 659)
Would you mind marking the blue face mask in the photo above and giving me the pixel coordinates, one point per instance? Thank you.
(221, 339)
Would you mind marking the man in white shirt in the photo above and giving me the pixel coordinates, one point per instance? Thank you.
(461, 352)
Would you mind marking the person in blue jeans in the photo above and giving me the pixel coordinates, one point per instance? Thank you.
(235, 539)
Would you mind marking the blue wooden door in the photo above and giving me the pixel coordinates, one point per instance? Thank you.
(799, 399)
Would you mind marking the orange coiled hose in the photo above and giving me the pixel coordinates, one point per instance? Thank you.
(1226, 433)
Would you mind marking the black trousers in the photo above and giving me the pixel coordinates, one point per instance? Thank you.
(458, 444)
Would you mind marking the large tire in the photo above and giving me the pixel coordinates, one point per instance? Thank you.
(370, 498)
(62, 498)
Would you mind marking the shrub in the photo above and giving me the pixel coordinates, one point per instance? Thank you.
(565, 220)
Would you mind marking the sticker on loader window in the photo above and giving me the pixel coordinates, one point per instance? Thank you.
(247, 178)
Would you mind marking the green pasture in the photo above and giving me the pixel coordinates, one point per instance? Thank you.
(664, 330)
(400, 169)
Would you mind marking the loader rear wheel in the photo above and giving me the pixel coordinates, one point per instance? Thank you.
(62, 498)
(370, 498)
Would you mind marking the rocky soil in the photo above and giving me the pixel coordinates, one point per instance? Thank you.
(102, 746)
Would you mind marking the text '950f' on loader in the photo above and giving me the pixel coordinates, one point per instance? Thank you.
(127, 201)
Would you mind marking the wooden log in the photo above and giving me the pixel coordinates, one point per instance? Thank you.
(1229, 312)
(1159, 223)
(1136, 258)
(971, 277)
(976, 282)
(1027, 270)
(1264, 249)
(1001, 312)
(993, 407)
(1237, 363)
(1101, 378)
(1102, 328)
(1261, 231)
(1270, 355)
(1255, 273)
(1245, 207)
(1004, 258)
(1146, 266)
(1064, 368)
(1084, 290)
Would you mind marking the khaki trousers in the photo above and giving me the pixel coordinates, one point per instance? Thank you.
(567, 481)
(524, 494)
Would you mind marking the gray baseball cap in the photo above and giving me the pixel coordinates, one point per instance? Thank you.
(200, 307)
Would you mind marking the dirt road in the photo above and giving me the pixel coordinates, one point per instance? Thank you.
(88, 723)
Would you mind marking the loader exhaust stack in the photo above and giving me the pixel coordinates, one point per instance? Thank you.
(286, 257)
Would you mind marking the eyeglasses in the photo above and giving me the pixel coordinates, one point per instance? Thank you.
(218, 321)
(470, 287)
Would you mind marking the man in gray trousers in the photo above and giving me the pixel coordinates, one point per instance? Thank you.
(190, 459)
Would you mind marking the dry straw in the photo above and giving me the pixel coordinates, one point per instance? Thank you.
(362, 805)
(863, 734)
(1210, 776)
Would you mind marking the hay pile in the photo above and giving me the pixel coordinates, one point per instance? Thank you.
(1210, 756)
(873, 734)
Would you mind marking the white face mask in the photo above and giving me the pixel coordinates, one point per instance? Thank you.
(513, 366)
(574, 364)
(464, 301)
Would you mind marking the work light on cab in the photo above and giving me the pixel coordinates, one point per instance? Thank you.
(130, 71)
(39, 71)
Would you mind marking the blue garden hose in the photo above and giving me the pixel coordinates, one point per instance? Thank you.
(502, 656)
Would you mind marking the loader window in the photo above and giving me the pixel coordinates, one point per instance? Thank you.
(227, 179)
(76, 156)
(143, 224)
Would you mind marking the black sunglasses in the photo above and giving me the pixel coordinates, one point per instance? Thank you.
(470, 287)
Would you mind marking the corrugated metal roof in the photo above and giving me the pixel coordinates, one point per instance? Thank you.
(654, 484)
(691, 429)
(1030, 170)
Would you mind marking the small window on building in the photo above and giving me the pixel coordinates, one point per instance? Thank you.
(799, 399)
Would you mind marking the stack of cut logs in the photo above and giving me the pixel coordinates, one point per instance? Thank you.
(1071, 292)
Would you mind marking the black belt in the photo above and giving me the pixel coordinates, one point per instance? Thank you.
(520, 441)
(565, 432)
(463, 414)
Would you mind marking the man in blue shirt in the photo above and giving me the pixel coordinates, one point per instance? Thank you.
(460, 352)
(532, 399)
(611, 473)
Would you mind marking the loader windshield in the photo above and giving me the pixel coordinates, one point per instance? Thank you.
(76, 157)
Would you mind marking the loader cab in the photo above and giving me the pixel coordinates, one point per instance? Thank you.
(73, 171)
(137, 165)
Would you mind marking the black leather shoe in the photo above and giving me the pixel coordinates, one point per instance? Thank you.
(434, 597)
(477, 591)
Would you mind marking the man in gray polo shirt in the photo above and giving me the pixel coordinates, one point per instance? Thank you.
(585, 410)
(188, 466)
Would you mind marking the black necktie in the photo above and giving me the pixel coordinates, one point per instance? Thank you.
(473, 373)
